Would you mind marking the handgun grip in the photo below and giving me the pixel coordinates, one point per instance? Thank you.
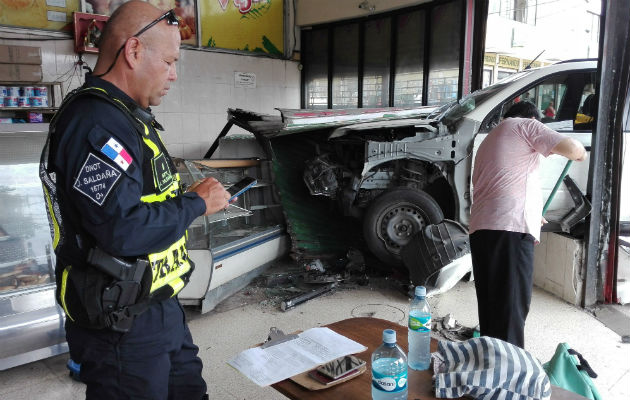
(111, 265)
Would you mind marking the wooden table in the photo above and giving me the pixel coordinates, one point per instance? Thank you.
(369, 332)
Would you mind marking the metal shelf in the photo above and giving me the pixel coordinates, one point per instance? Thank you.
(25, 127)
(47, 110)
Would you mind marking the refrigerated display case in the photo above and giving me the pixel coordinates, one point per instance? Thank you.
(31, 323)
(244, 239)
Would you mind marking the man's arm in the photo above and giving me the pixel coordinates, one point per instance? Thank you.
(571, 149)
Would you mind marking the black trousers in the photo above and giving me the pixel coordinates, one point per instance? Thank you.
(503, 264)
(155, 360)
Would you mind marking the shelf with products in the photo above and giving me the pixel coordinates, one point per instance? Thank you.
(26, 102)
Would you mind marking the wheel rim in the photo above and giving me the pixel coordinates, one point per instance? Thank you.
(397, 224)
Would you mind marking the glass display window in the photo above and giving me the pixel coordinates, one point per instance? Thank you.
(25, 242)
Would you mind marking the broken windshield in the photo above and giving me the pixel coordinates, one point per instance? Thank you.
(452, 112)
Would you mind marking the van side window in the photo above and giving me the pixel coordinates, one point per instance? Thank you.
(561, 100)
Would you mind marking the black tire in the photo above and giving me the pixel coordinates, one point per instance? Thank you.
(394, 217)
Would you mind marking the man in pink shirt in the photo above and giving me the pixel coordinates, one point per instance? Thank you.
(506, 216)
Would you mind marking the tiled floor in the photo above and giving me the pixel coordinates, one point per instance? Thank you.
(245, 319)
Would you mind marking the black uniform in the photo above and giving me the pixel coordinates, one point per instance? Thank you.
(117, 190)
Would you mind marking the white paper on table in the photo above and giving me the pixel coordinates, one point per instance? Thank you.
(314, 347)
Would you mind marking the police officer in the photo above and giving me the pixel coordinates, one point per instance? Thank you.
(119, 217)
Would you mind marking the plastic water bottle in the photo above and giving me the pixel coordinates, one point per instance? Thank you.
(389, 370)
(419, 331)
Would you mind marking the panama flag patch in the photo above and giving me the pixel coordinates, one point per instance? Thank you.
(117, 153)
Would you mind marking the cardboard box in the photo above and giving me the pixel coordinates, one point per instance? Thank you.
(20, 73)
(20, 55)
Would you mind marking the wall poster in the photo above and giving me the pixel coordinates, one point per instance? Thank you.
(38, 14)
(249, 25)
(185, 10)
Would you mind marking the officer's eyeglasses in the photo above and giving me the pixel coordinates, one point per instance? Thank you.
(169, 16)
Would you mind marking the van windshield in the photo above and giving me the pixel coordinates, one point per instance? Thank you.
(457, 109)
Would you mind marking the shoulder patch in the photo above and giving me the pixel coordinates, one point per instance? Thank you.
(114, 151)
(96, 179)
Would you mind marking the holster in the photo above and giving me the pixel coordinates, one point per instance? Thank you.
(120, 297)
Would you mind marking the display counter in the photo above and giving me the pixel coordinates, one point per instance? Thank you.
(31, 323)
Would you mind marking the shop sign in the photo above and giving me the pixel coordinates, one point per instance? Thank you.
(535, 64)
(245, 80)
(247, 25)
(508, 62)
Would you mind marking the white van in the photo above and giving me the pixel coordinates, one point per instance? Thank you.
(397, 170)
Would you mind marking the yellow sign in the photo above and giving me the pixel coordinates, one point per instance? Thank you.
(535, 64)
(249, 25)
(56, 15)
(508, 62)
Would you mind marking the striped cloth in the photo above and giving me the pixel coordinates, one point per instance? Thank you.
(488, 368)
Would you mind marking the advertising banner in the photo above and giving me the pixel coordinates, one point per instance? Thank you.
(38, 14)
(57, 14)
(247, 25)
(185, 10)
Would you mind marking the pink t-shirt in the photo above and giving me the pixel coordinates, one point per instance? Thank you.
(506, 185)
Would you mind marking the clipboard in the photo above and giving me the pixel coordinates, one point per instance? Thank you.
(276, 336)
(295, 354)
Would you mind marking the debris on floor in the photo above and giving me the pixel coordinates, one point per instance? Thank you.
(295, 301)
(438, 256)
(289, 283)
(319, 276)
(448, 328)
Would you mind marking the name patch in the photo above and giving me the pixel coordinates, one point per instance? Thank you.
(96, 179)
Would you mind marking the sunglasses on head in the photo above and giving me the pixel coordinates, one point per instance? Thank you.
(169, 16)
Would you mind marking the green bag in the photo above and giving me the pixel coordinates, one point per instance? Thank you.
(569, 370)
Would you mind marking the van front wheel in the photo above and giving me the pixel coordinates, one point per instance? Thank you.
(394, 217)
